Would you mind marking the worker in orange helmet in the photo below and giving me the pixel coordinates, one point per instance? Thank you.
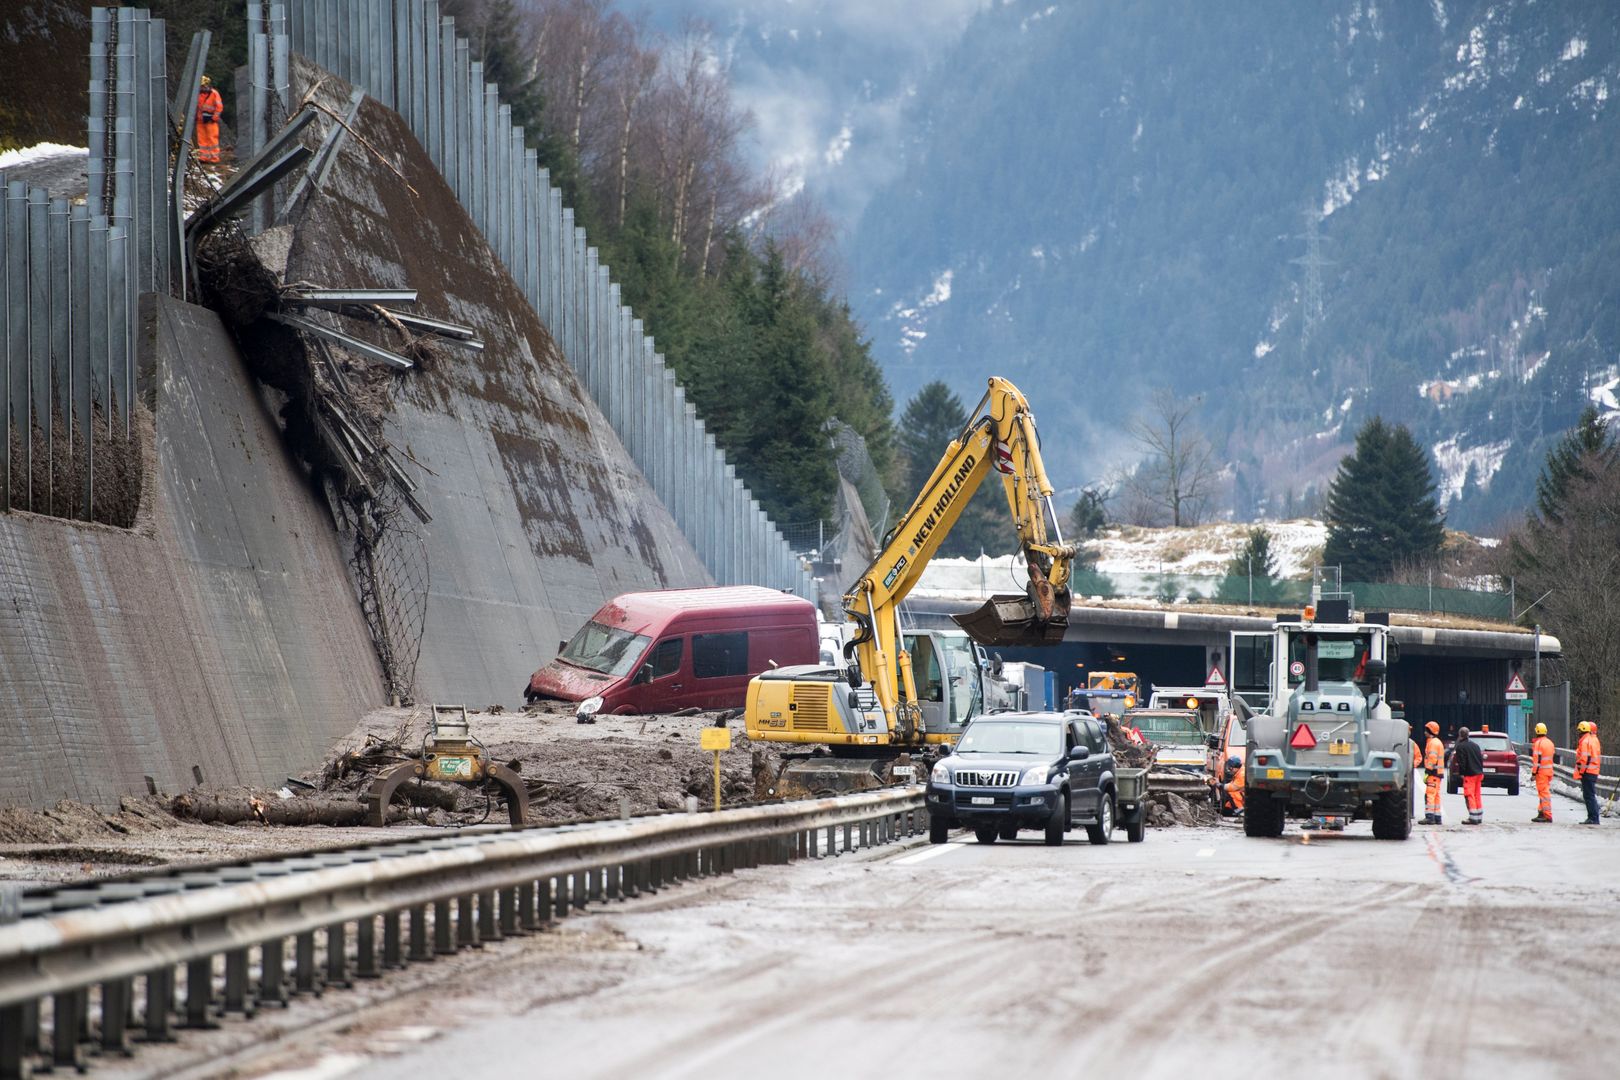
(1434, 760)
(1541, 770)
(210, 107)
(1588, 759)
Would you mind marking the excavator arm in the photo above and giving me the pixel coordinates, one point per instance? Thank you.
(999, 437)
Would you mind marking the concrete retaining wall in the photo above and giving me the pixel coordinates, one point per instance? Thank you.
(539, 513)
(221, 631)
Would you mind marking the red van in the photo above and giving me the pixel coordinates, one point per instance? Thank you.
(682, 648)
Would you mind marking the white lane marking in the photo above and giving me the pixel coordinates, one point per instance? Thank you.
(932, 851)
(329, 1067)
(1204, 853)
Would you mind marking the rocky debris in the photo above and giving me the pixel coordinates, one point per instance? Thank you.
(70, 822)
(1166, 808)
(1128, 751)
(635, 764)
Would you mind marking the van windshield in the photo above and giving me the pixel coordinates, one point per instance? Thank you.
(605, 648)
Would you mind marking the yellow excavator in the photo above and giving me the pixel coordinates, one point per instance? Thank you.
(867, 714)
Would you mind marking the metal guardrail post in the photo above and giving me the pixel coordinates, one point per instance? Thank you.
(77, 407)
(446, 68)
(426, 49)
(118, 329)
(462, 81)
(533, 215)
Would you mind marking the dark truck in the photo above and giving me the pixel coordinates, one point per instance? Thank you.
(1034, 770)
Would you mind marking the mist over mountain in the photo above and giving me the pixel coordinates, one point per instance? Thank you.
(1097, 198)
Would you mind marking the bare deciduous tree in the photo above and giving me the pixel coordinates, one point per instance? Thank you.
(1177, 473)
(1575, 562)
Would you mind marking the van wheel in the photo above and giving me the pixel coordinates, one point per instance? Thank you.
(1103, 831)
(985, 834)
(939, 830)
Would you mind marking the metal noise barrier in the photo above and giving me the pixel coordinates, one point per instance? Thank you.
(410, 58)
(72, 280)
(89, 951)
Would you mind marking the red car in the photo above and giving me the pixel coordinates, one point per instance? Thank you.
(1501, 763)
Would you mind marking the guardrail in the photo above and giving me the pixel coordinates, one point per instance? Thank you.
(1564, 768)
(72, 963)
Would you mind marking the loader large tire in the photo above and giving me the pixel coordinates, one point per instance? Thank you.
(1263, 815)
(1392, 815)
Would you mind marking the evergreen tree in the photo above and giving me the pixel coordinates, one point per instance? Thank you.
(1587, 445)
(1255, 556)
(931, 420)
(1089, 513)
(1382, 509)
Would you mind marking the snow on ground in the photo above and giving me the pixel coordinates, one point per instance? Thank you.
(1134, 558)
(1606, 395)
(1455, 462)
(10, 159)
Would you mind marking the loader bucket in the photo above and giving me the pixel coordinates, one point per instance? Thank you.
(1014, 620)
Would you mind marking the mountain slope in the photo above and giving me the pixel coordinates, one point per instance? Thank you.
(1097, 198)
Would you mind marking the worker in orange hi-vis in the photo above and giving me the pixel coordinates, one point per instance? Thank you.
(1434, 761)
(1541, 769)
(1588, 762)
(210, 107)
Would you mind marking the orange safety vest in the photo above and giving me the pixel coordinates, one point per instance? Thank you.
(1434, 754)
(1541, 756)
(1234, 788)
(1588, 755)
(209, 106)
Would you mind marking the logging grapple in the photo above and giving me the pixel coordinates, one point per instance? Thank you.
(450, 755)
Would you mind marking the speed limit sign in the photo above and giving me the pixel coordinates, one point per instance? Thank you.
(1297, 669)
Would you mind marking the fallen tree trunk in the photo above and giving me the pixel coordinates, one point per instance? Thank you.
(236, 809)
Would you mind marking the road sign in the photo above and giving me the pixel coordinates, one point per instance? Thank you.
(1515, 689)
(1528, 705)
(1215, 678)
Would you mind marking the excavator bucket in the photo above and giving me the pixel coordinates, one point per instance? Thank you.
(1014, 620)
(818, 776)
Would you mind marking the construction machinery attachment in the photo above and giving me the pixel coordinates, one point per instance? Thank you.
(1017, 620)
(450, 754)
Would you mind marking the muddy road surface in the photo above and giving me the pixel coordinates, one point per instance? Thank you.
(1481, 951)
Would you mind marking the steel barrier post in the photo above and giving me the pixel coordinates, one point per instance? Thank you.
(466, 926)
(337, 955)
(273, 972)
(421, 948)
(393, 941)
(117, 1002)
(200, 993)
(365, 948)
(306, 976)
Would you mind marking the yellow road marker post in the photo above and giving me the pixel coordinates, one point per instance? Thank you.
(716, 739)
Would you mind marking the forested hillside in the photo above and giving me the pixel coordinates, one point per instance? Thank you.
(1100, 198)
(641, 132)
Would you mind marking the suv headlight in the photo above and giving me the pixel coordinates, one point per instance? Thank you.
(1036, 774)
(941, 773)
(588, 708)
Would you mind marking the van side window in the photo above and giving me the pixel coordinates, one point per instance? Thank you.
(665, 658)
(716, 656)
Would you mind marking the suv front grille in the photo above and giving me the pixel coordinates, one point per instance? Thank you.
(985, 778)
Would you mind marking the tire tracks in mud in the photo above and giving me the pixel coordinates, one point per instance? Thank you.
(1197, 975)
